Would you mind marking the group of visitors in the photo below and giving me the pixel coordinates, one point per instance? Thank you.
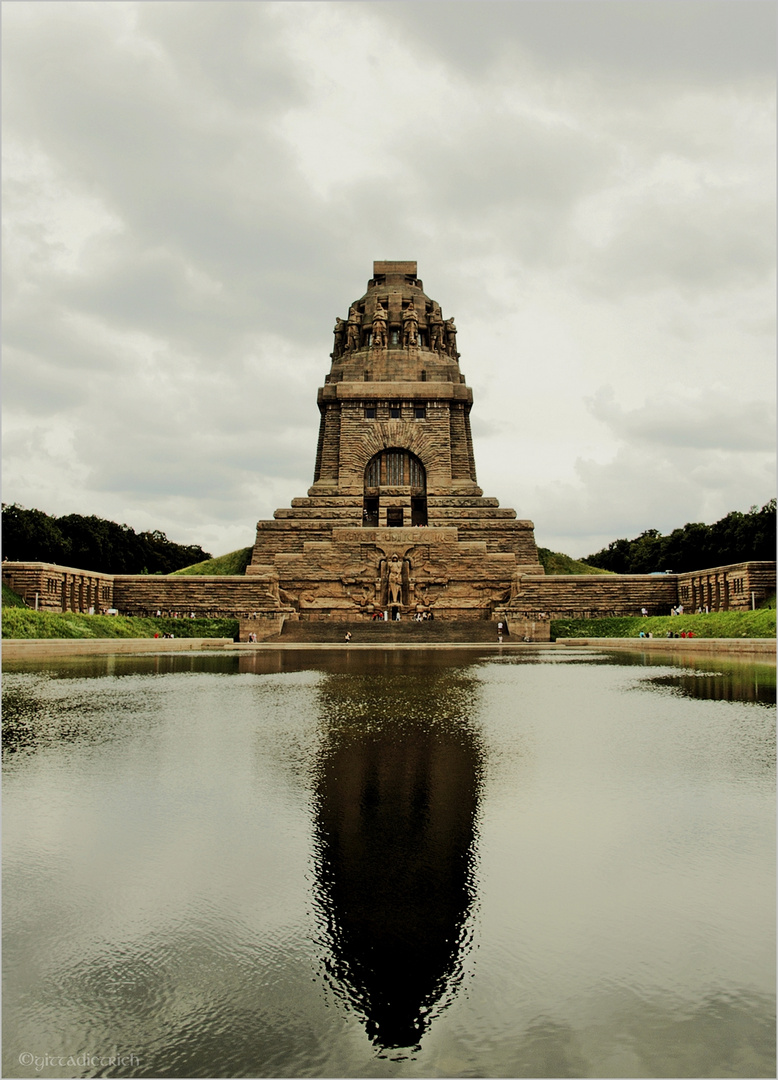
(423, 616)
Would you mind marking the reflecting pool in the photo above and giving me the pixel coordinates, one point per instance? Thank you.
(418, 863)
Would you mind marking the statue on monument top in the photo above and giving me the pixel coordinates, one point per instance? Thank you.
(379, 326)
(451, 339)
(340, 334)
(354, 323)
(436, 328)
(410, 326)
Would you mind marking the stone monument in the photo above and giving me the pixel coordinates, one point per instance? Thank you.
(395, 521)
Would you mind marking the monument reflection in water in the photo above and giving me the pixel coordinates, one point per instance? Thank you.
(396, 800)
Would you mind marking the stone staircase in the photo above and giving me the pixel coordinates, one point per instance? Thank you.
(405, 632)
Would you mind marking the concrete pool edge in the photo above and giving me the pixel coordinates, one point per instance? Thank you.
(30, 648)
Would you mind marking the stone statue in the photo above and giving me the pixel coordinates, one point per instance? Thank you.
(340, 334)
(354, 323)
(410, 326)
(451, 339)
(436, 329)
(395, 580)
(379, 326)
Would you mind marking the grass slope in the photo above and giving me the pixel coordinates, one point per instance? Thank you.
(24, 623)
(12, 599)
(722, 624)
(233, 563)
(554, 562)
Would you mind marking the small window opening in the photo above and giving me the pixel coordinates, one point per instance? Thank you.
(420, 412)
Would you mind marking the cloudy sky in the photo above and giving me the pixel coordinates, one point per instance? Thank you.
(193, 192)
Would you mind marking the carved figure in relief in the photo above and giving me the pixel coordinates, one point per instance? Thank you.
(379, 326)
(340, 334)
(352, 336)
(395, 580)
(410, 326)
(436, 328)
(451, 339)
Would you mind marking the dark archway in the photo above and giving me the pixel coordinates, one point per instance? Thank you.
(395, 468)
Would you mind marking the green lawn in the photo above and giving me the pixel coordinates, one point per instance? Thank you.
(554, 562)
(24, 623)
(722, 624)
(235, 562)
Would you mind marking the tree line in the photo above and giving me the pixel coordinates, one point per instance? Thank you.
(91, 543)
(735, 538)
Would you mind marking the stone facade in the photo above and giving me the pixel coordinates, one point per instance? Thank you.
(395, 519)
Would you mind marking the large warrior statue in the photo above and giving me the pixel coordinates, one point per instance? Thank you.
(451, 339)
(340, 334)
(436, 328)
(395, 588)
(379, 327)
(410, 326)
(354, 322)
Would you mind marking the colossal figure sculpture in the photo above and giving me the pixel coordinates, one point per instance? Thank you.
(395, 514)
(410, 326)
(379, 328)
(395, 591)
(354, 323)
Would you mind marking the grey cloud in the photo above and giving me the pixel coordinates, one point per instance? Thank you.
(698, 244)
(702, 421)
(698, 39)
(642, 489)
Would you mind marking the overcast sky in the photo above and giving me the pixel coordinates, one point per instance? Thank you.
(193, 192)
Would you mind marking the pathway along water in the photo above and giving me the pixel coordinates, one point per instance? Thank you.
(389, 863)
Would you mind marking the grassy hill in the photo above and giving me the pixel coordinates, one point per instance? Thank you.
(233, 563)
(556, 563)
(11, 599)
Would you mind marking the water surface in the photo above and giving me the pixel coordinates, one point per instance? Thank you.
(369, 863)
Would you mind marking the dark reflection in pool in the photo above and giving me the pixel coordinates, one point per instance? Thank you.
(396, 799)
(716, 680)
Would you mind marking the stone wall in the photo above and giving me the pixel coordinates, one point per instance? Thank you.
(205, 596)
(583, 596)
(336, 580)
(727, 588)
(48, 587)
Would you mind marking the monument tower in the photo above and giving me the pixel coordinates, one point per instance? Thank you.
(394, 520)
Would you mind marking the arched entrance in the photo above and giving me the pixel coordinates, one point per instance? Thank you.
(395, 492)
